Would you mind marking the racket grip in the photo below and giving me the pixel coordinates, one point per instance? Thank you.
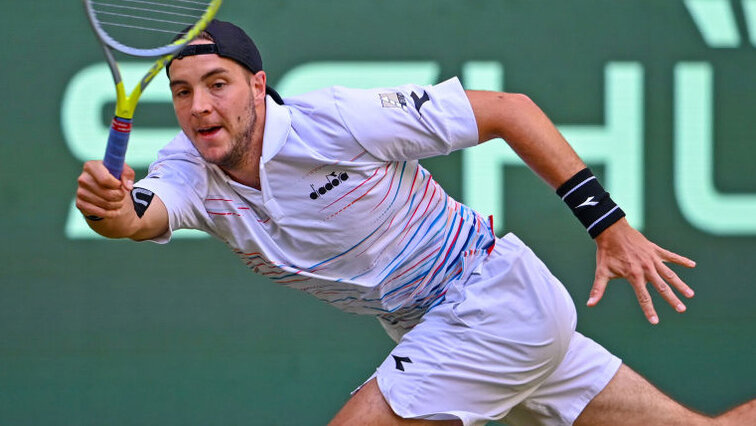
(118, 140)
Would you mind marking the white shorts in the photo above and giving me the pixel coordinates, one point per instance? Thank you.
(502, 346)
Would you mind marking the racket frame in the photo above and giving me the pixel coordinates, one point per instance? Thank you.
(120, 128)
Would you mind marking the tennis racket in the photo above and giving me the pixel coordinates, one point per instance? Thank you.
(148, 29)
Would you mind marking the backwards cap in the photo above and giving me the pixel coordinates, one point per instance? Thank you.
(229, 41)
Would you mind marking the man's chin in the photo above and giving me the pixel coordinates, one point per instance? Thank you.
(219, 159)
(225, 162)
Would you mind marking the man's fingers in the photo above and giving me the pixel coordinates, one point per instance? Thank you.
(99, 193)
(672, 257)
(644, 299)
(628, 254)
(91, 209)
(88, 184)
(101, 175)
(597, 291)
(107, 203)
(127, 177)
(671, 277)
(667, 293)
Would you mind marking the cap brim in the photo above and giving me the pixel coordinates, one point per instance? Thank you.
(273, 94)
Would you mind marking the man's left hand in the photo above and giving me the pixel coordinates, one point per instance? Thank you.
(623, 252)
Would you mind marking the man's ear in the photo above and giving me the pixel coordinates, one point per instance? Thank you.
(258, 81)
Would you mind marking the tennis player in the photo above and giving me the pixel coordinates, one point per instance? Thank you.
(324, 193)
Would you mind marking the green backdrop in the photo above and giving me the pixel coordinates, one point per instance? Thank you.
(657, 95)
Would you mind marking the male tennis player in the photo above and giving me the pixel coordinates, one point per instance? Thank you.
(325, 194)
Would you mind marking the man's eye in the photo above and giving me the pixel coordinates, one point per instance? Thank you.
(219, 84)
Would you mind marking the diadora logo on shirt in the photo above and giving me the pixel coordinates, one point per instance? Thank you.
(332, 180)
(420, 100)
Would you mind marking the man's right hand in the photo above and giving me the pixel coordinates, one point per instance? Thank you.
(106, 202)
(100, 194)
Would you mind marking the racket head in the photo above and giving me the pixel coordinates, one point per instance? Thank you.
(149, 28)
(142, 28)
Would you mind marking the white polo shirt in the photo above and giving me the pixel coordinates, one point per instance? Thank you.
(345, 211)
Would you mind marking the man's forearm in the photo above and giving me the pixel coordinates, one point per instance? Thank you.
(528, 131)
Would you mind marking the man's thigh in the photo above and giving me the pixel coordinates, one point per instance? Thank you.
(629, 399)
(368, 407)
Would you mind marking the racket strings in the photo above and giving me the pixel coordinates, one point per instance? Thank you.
(145, 23)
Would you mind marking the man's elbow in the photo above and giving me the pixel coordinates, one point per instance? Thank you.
(502, 113)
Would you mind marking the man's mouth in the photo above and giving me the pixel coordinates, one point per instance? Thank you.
(207, 131)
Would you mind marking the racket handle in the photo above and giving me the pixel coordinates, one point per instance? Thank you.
(118, 140)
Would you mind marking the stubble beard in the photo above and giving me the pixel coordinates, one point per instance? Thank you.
(241, 147)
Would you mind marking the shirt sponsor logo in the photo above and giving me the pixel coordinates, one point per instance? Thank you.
(332, 180)
(393, 100)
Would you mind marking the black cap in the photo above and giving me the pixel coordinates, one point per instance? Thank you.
(229, 41)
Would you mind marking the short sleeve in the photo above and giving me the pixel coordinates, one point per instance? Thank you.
(178, 178)
(409, 122)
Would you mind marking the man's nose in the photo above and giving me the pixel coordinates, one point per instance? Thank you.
(200, 103)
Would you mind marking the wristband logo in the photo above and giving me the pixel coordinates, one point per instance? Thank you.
(588, 202)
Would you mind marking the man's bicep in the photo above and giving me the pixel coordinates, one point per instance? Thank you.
(152, 215)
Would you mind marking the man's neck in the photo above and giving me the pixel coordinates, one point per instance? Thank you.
(249, 176)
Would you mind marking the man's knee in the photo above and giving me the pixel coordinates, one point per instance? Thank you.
(744, 414)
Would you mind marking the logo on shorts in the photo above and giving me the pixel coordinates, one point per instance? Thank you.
(333, 180)
(399, 360)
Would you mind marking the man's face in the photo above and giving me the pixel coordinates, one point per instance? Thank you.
(215, 99)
